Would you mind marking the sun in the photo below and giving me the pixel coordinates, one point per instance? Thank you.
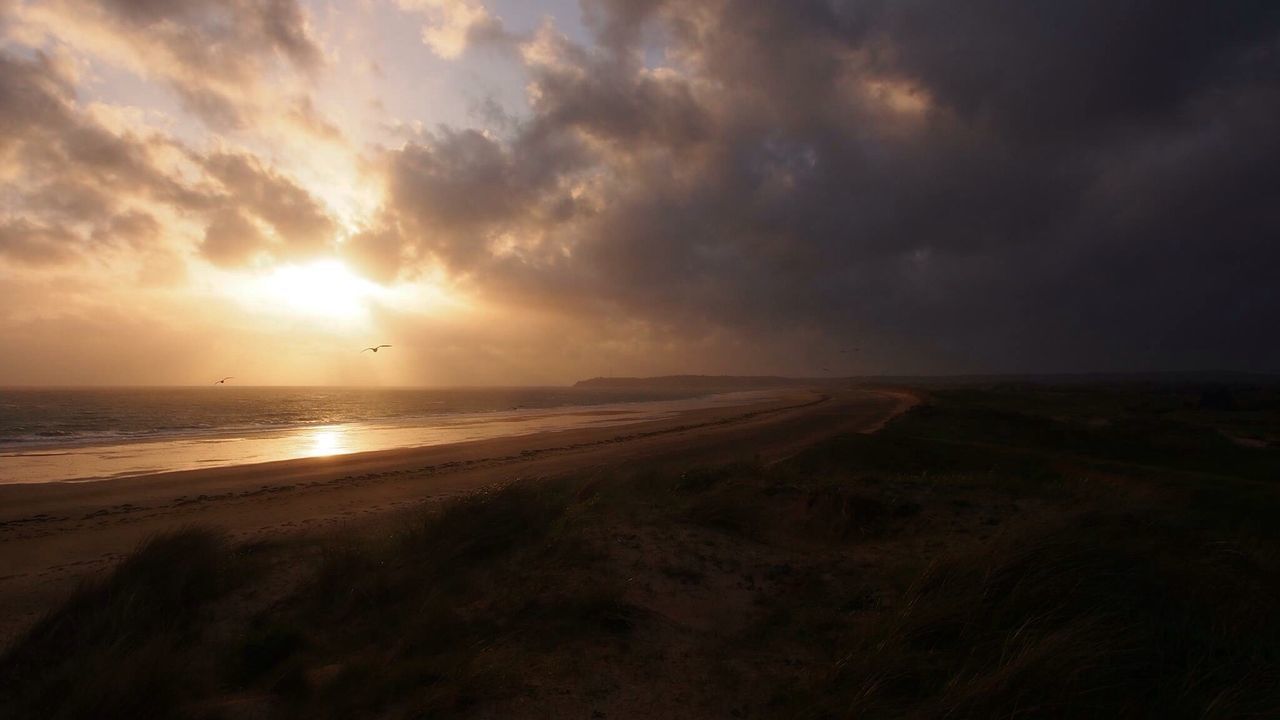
(324, 289)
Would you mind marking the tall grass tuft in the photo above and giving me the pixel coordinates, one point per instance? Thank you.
(112, 650)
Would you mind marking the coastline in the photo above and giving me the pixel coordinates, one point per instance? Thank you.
(100, 459)
(54, 534)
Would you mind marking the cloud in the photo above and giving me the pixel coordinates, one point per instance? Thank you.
(222, 58)
(452, 25)
(231, 240)
(78, 188)
(31, 244)
(962, 188)
(380, 254)
(727, 183)
(65, 171)
(609, 98)
(299, 220)
(271, 25)
(134, 227)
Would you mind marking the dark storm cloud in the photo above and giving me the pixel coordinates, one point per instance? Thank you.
(1053, 70)
(455, 199)
(977, 186)
(618, 24)
(607, 99)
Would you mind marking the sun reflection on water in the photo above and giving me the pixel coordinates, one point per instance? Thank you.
(328, 441)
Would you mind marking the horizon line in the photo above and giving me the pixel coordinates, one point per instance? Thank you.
(814, 378)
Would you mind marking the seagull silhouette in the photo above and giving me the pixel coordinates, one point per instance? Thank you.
(375, 349)
(224, 380)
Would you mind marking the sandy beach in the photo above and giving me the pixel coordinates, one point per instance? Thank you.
(54, 534)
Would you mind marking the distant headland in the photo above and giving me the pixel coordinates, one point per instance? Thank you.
(751, 382)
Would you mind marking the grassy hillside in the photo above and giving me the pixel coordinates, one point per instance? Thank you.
(1006, 552)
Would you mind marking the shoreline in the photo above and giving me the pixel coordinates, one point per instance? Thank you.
(52, 535)
(112, 439)
(96, 460)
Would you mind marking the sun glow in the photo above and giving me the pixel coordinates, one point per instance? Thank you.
(326, 441)
(325, 289)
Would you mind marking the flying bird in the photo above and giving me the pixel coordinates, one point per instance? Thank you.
(375, 349)
(224, 380)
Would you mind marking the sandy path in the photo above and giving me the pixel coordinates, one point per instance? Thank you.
(52, 535)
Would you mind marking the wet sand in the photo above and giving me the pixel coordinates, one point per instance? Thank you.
(54, 534)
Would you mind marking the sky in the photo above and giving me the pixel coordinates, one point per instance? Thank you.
(515, 192)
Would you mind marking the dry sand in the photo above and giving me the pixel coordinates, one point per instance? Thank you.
(55, 534)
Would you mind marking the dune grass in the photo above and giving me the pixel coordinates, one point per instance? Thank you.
(987, 555)
(114, 648)
(1112, 619)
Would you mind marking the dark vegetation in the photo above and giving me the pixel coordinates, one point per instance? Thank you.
(996, 553)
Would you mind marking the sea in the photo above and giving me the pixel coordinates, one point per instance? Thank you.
(82, 434)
